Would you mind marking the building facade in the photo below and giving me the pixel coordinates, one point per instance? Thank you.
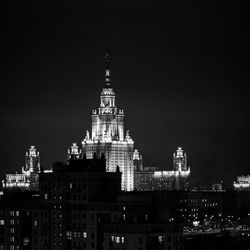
(107, 136)
(28, 179)
(176, 179)
(242, 183)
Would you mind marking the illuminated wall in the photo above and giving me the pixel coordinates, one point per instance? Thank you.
(176, 179)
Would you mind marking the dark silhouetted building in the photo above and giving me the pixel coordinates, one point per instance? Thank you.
(81, 206)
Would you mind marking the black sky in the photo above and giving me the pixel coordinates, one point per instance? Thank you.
(179, 69)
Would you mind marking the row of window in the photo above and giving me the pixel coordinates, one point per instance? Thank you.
(12, 222)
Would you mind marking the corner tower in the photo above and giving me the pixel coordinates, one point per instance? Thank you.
(180, 160)
(108, 135)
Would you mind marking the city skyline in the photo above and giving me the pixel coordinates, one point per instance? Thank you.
(174, 93)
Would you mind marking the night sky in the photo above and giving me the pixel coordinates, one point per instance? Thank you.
(180, 72)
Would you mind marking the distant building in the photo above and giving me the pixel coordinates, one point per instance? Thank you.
(108, 136)
(217, 187)
(150, 179)
(28, 179)
(242, 183)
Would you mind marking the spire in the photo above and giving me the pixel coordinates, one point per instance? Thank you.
(107, 72)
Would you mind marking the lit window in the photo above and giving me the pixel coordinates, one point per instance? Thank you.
(17, 213)
(12, 213)
(122, 239)
(84, 235)
(35, 223)
(69, 235)
(45, 196)
(12, 247)
(12, 239)
(160, 238)
(1, 222)
(117, 239)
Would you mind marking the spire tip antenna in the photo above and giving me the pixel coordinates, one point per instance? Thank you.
(107, 71)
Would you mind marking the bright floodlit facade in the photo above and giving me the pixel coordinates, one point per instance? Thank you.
(108, 136)
(242, 183)
(177, 179)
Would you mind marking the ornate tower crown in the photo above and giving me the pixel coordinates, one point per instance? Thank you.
(107, 121)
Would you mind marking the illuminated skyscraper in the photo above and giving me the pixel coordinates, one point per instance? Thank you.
(28, 179)
(108, 135)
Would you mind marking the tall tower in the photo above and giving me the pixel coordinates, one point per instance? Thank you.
(108, 135)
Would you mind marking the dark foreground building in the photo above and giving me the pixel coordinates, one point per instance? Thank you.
(80, 206)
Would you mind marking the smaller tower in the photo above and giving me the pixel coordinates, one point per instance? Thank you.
(138, 163)
(32, 160)
(181, 170)
(74, 152)
(180, 160)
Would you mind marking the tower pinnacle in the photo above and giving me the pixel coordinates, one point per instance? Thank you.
(107, 71)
